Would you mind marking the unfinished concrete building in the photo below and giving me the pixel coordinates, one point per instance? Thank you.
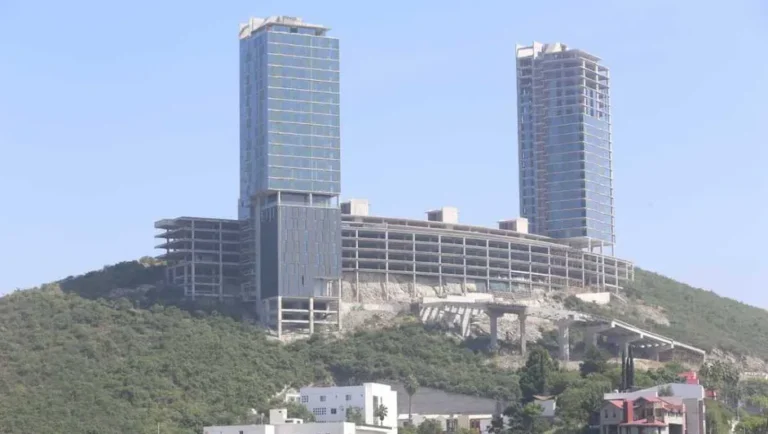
(202, 255)
(414, 258)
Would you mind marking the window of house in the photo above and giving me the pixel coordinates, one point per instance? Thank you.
(349, 397)
(333, 411)
(322, 398)
(319, 411)
(304, 399)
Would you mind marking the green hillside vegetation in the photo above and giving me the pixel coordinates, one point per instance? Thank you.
(84, 355)
(68, 364)
(696, 316)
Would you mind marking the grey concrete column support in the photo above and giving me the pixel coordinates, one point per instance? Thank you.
(623, 343)
(549, 269)
(440, 263)
(465, 322)
(655, 351)
(487, 266)
(311, 315)
(194, 260)
(592, 333)
(521, 318)
(386, 265)
(279, 316)
(563, 339)
(494, 330)
(413, 265)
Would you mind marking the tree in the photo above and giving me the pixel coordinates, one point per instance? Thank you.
(380, 413)
(595, 361)
(411, 386)
(535, 375)
(430, 426)
(497, 424)
(723, 377)
(525, 419)
(355, 415)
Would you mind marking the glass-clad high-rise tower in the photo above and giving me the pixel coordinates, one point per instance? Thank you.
(564, 141)
(289, 157)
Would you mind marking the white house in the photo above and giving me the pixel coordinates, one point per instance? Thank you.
(279, 423)
(330, 404)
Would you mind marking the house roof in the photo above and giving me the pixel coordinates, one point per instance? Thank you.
(433, 401)
(617, 402)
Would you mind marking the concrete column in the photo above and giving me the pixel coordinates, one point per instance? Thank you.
(494, 330)
(279, 316)
(592, 333)
(424, 314)
(413, 266)
(311, 315)
(563, 340)
(656, 351)
(521, 318)
(465, 317)
(624, 342)
(386, 265)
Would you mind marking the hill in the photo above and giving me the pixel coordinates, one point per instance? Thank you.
(69, 364)
(691, 315)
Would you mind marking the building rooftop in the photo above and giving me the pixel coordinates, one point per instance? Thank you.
(433, 401)
(255, 24)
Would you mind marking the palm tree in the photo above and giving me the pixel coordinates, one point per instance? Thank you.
(411, 386)
(380, 413)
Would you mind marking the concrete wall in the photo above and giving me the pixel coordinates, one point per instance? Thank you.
(600, 298)
(398, 287)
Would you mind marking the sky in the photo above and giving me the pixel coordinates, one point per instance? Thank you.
(116, 114)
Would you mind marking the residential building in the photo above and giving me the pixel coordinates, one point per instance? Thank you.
(279, 423)
(330, 404)
(202, 255)
(564, 144)
(289, 164)
(691, 396)
(644, 415)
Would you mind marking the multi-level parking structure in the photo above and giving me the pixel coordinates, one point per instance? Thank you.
(478, 259)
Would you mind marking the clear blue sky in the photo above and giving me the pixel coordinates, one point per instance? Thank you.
(115, 114)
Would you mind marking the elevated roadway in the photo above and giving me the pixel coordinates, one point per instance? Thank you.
(622, 334)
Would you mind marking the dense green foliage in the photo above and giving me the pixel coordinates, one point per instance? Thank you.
(702, 317)
(69, 364)
(89, 354)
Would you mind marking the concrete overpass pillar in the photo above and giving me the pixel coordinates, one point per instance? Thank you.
(624, 342)
(521, 317)
(563, 339)
(592, 334)
(465, 317)
(494, 330)
(311, 315)
(655, 351)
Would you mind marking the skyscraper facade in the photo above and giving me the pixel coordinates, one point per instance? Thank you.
(289, 157)
(564, 144)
